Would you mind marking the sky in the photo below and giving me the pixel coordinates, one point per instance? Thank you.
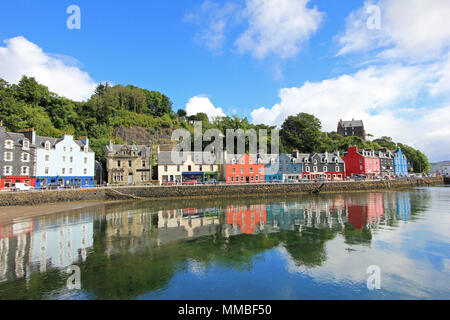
(385, 62)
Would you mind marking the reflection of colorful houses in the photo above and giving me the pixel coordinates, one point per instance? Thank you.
(368, 212)
(247, 218)
(403, 206)
(279, 217)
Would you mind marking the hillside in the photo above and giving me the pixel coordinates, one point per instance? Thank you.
(128, 114)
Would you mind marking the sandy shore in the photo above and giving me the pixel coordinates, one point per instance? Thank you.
(8, 214)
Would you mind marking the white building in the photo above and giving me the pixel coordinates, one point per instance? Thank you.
(64, 161)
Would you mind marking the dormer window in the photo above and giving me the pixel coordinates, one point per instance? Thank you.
(47, 145)
(233, 161)
(9, 144)
(305, 160)
(294, 161)
(26, 144)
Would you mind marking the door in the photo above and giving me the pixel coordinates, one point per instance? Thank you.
(130, 178)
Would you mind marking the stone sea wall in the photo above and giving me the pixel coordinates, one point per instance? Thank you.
(238, 190)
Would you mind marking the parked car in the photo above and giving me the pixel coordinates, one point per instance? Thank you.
(320, 179)
(360, 177)
(304, 180)
(190, 182)
(212, 181)
(19, 186)
(290, 181)
(51, 186)
(168, 183)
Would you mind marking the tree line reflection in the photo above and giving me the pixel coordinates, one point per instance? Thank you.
(131, 249)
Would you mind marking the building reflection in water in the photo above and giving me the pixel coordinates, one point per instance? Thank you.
(36, 245)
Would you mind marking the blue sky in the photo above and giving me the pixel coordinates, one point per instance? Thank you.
(262, 59)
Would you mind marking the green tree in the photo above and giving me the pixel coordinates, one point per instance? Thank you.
(301, 132)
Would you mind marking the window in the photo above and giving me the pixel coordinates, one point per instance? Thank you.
(143, 163)
(165, 168)
(64, 149)
(118, 163)
(71, 159)
(252, 178)
(24, 171)
(8, 156)
(201, 168)
(178, 168)
(234, 170)
(242, 178)
(189, 168)
(257, 178)
(47, 157)
(85, 149)
(325, 169)
(47, 145)
(63, 159)
(295, 169)
(129, 163)
(25, 157)
(337, 169)
(46, 170)
(85, 160)
(242, 170)
(251, 170)
(232, 179)
(307, 169)
(315, 169)
(26, 144)
(211, 168)
(9, 144)
(259, 170)
(70, 171)
(71, 149)
(7, 170)
(63, 170)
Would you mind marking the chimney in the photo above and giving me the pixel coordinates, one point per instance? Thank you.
(85, 140)
(30, 134)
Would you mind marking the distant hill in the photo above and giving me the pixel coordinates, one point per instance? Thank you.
(440, 164)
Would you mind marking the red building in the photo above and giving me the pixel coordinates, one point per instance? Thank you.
(247, 218)
(363, 213)
(244, 169)
(363, 162)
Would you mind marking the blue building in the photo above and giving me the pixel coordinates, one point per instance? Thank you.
(284, 167)
(400, 163)
(403, 206)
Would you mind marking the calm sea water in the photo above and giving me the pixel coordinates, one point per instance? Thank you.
(302, 247)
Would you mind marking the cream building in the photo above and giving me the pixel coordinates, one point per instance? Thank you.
(200, 166)
(128, 164)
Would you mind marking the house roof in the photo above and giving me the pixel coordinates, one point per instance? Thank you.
(166, 158)
(141, 149)
(352, 123)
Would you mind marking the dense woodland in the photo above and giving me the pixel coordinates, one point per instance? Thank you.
(30, 104)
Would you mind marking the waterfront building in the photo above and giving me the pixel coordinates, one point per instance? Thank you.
(64, 161)
(442, 170)
(17, 158)
(329, 166)
(243, 168)
(194, 166)
(351, 128)
(386, 162)
(361, 162)
(284, 167)
(128, 164)
(400, 163)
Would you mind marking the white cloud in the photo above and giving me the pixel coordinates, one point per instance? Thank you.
(414, 29)
(203, 104)
(213, 21)
(278, 27)
(272, 27)
(21, 57)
